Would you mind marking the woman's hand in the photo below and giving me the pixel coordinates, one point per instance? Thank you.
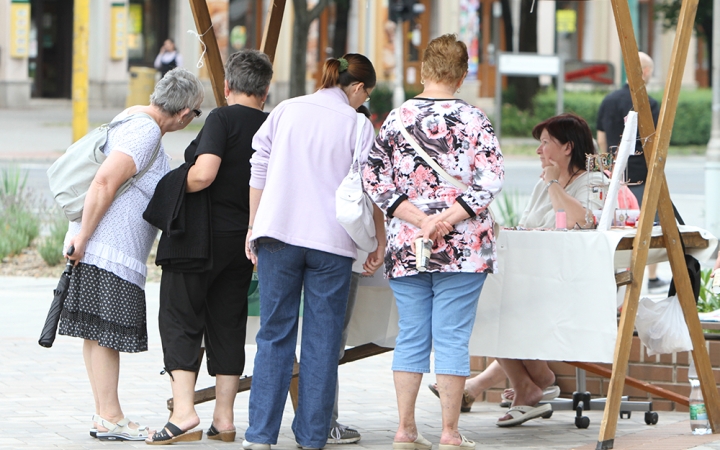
(78, 243)
(374, 260)
(434, 228)
(551, 172)
(248, 249)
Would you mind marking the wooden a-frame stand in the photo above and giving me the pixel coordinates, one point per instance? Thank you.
(656, 198)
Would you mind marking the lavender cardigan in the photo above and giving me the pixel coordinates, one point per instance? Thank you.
(302, 152)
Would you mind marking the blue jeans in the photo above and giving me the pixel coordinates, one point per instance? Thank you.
(435, 308)
(283, 271)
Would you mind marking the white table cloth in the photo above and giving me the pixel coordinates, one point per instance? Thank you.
(554, 298)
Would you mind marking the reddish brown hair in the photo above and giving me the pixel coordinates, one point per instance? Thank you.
(359, 70)
(570, 128)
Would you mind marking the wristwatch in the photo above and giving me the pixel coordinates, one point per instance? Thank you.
(547, 186)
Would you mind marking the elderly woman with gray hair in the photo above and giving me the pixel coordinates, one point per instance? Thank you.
(212, 303)
(105, 305)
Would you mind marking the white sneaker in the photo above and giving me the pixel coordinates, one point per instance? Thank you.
(253, 446)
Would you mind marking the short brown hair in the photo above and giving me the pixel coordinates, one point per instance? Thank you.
(570, 128)
(445, 60)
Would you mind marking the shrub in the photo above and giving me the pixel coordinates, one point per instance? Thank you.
(19, 224)
(707, 301)
(51, 246)
(692, 119)
(509, 208)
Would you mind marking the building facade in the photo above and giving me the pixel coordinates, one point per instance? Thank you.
(36, 41)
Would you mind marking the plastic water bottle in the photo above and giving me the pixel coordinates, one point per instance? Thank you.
(698, 414)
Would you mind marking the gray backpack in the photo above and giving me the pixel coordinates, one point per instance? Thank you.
(70, 175)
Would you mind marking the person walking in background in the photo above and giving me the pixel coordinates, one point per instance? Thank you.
(168, 58)
(437, 306)
(610, 125)
(302, 153)
(212, 302)
(105, 305)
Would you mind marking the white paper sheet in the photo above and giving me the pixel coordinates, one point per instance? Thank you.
(627, 147)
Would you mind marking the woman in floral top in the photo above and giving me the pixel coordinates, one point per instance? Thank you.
(436, 307)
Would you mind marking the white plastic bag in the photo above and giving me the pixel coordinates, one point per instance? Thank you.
(661, 326)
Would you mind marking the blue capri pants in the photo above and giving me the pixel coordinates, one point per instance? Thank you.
(436, 309)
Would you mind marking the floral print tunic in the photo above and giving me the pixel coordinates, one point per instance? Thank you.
(460, 138)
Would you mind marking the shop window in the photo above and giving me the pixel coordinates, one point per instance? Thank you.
(147, 30)
(245, 24)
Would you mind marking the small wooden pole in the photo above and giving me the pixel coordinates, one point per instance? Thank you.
(272, 28)
(212, 51)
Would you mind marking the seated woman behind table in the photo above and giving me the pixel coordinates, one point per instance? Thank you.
(564, 184)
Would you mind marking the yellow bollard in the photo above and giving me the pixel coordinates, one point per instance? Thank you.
(81, 32)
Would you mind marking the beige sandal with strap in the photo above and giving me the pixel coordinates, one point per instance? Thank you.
(120, 431)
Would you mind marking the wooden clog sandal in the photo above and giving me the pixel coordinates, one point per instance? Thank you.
(164, 436)
(225, 436)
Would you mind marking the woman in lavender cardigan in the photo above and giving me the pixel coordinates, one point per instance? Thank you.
(302, 152)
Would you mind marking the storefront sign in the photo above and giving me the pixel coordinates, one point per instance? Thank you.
(19, 28)
(566, 21)
(118, 31)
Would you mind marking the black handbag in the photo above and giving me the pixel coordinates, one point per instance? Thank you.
(693, 267)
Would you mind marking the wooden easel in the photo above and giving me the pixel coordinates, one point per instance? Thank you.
(656, 198)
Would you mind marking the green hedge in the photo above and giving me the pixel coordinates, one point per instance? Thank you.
(692, 119)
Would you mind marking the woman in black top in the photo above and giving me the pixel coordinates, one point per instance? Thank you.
(213, 303)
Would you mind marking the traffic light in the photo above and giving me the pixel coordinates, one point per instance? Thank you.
(404, 10)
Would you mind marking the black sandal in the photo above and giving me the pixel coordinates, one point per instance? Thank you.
(225, 436)
(162, 437)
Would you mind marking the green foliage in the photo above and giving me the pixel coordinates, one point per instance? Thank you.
(13, 182)
(692, 119)
(51, 246)
(19, 224)
(707, 300)
(509, 208)
(381, 100)
(669, 11)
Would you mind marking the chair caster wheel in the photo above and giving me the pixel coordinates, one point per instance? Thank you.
(625, 414)
(651, 417)
(547, 415)
(582, 422)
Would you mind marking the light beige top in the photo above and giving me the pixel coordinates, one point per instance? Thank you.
(539, 212)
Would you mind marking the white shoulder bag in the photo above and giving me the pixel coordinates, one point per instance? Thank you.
(353, 207)
(450, 179)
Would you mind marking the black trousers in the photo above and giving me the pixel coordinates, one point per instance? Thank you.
(210, 304)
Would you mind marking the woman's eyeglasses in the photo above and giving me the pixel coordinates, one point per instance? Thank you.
(197, 112)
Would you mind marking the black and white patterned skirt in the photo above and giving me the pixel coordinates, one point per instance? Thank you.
(103, 307)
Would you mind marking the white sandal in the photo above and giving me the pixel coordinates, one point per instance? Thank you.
(120, 431)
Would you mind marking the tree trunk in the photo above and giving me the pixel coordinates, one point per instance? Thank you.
(507, 22)
(526, 87)
(301, 27)
(342, 14)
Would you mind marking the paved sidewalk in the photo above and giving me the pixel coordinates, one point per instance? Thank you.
(45, 399)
